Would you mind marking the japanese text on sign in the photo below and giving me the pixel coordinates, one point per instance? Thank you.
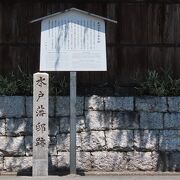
(73, 42)
(40, 110)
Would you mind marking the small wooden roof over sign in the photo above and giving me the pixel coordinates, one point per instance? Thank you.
(74, 9)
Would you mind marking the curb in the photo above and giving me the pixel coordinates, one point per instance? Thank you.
(98, 173)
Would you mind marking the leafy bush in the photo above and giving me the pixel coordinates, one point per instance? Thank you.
(57, 87)
(8, 85)
(22, 84)
(159, 85)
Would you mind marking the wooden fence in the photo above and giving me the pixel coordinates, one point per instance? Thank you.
(147, 36)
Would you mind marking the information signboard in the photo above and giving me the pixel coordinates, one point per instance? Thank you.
(73, 41)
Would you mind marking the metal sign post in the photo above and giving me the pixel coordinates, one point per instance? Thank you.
(72, 122)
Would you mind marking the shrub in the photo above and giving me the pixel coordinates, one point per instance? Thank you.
(22, 84)
(159, 85)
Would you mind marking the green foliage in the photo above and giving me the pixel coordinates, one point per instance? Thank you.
(159, 85)
(57, 86)
(8, 85)
(22, 84)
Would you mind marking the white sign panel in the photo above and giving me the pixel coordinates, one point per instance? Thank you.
(73, 42)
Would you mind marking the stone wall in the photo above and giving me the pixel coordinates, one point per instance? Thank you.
(113, 133)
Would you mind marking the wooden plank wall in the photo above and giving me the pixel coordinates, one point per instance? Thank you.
(1, 36)
(147, 36)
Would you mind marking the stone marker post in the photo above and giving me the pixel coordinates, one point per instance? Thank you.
(40, 124)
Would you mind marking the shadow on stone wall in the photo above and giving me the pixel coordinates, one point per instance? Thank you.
(113, 134)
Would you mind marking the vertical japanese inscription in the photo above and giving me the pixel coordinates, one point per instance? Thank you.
(73, 42)
(40, 124)
(73, 34)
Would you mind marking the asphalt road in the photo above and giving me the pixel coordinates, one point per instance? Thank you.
(75, 177)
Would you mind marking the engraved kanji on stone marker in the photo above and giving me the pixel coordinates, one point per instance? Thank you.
(40, 94)
(40, 124)
(40, 111)
(40, 141)
(41, 127)
(40, 82)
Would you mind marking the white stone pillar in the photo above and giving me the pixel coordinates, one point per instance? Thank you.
(40, 124)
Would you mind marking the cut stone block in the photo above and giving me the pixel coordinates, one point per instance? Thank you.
(97, 120)
(52, 140)
(52, 163)
(63, 142)
(1, 163)
(21, 126)
(93, 141)
(65, 124)
(83, 160)
(2, 127)
(119, 140)
(12, 106)
(62, 106)
(146, 140)
(12, 145)
(151, 120)
(94, 103)
(119, 103)
(174, 163)
(108, 161)
(15, 164)
(145, 161)
(53, 126)
(172, 121)
(174, 104)
(63, 160)
(53, 150)
(169, 140)
(125, 120)
(151, 104)
(29, 145)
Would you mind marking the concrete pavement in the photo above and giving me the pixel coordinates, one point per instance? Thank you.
(95, 177)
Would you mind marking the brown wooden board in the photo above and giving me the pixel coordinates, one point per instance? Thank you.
(147, 36)
(176, 68)
(163, 23)
(111, 28)
(26, 58)
(132, 27)
(132, 64)
(0, 22)
(16, 23)
(172, 23)
(1, 61)
(155, 23)
(161, 58)
(112, 63)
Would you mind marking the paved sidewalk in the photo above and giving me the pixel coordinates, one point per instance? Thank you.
(93, 177)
